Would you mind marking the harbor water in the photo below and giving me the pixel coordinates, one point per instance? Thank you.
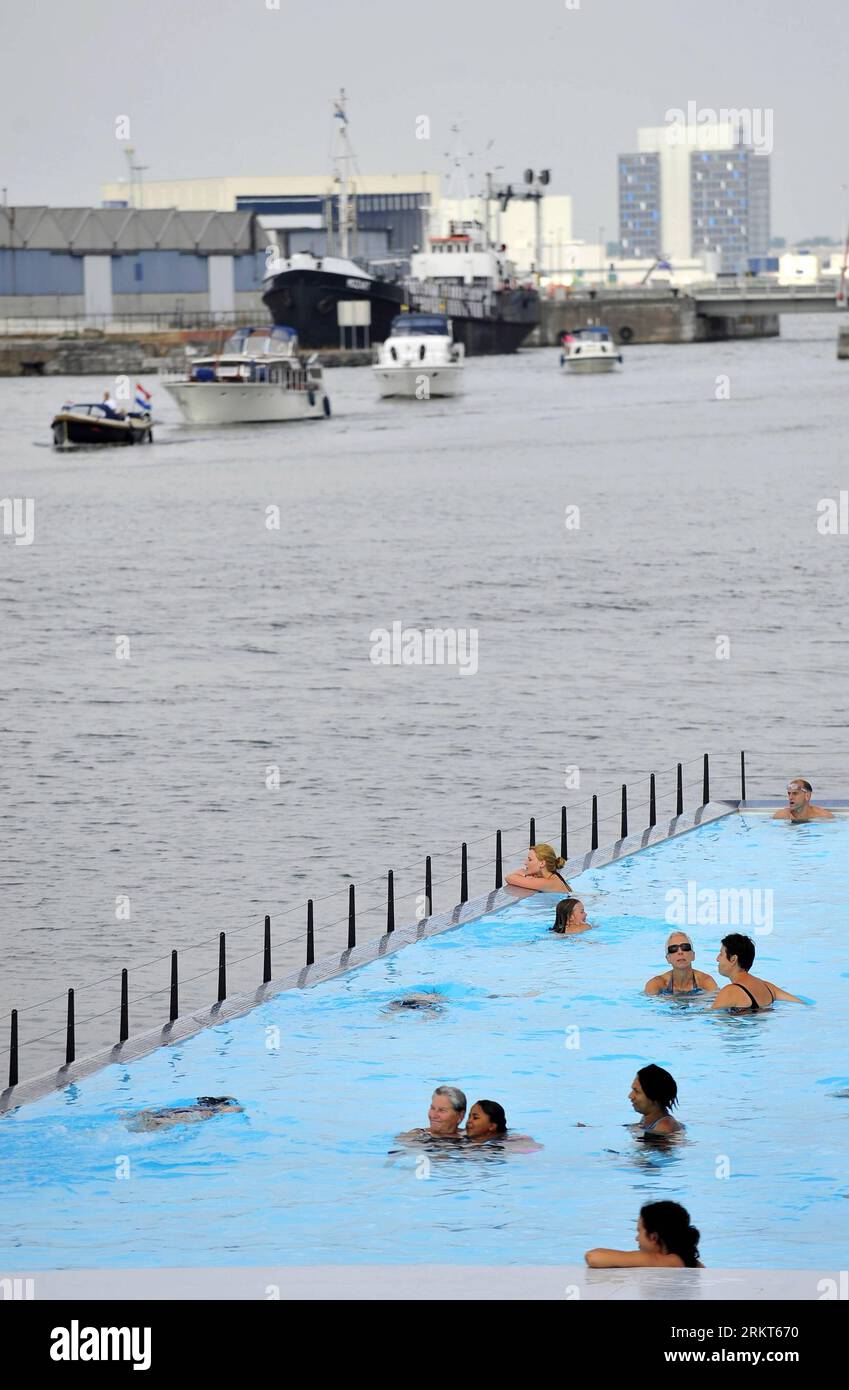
(636, 556)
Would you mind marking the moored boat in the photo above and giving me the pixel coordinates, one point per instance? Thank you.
(419, 358)
(257, 377)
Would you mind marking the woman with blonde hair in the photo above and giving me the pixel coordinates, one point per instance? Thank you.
(540, 872)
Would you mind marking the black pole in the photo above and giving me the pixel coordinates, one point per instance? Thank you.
(266, 952)
(679, 805)
(390, 902)
(742, 776)
(498, 877)
(532, 833)
(594, 842)
(428, 887)
(464, 874)
(706, 786)
(13, 1050)
(352, 918)
(310, 935)
(564, 838)
(125, 1008)
(624, 828)
(222, 969)
(652, 801)
(175, 1007)
(69, 1039)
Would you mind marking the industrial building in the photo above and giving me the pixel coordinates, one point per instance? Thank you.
(103, 263)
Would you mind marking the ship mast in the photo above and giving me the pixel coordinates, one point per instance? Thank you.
(342, 162)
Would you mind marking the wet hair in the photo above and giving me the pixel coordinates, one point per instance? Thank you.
(562, 916)
(806, 786)
(211, 1101)
(659, 1086)
(743, 947)
(670, 1222)
(494, 1112)
(454, 1096)
(546, 855)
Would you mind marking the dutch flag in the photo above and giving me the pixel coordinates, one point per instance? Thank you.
(142, 398)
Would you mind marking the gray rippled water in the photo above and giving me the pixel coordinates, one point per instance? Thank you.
(142, 785)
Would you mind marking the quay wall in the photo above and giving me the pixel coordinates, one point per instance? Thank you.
(98, 355)
(671, 319)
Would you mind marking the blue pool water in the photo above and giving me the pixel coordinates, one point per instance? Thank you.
(554, 1029)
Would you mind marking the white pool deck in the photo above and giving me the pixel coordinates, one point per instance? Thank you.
(433, 1283)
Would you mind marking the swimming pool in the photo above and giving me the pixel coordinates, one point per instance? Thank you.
(555, 1029)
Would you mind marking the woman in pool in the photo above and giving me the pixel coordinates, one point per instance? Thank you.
(487, 1120)
(653, 1094)
(681, 978)
(570, 918)
(665, 1238)
(540, 872)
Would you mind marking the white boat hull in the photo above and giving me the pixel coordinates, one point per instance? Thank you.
(244, 402)
(419, 382)
(582, 365)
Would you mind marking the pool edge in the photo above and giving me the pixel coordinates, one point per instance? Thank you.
(340, 963)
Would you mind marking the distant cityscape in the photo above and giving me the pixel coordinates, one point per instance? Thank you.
(689, 211)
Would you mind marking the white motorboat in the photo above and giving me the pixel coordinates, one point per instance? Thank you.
(420, 358)
(590, 350)
(258, 376)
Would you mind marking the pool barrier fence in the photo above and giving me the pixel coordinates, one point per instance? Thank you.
(466, 910)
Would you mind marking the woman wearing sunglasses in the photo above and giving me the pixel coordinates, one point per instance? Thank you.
(681, 978)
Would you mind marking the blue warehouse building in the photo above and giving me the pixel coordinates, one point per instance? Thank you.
(104, 263)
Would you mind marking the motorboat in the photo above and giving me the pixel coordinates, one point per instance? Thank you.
(591, 349)
(94, 423)
(420, 358)
(258, 376)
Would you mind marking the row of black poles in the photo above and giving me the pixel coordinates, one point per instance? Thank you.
(124, 1026)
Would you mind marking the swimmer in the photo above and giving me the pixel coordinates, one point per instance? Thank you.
(665, 1238)
(205, 1109)
(653, 1094)
(799, 806)
(447, 1108)
(745, 993)
(426, 1003)
(570, 918)
(540, 872)
(682, 978)
(487, 1121)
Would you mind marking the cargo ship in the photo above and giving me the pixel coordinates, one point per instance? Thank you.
(459, 275)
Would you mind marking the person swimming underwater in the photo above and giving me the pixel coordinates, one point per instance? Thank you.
(205, 1108)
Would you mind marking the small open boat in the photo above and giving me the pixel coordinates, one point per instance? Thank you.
(93, 423)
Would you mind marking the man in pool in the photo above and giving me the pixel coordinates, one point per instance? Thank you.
(799, 806)
(447, 1108)
(205, 1109)
(745, 992)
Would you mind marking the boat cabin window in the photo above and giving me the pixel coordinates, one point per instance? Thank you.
(414, 325)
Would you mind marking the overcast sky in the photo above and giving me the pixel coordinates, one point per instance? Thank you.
(239, 87)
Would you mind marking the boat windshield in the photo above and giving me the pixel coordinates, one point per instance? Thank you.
(276, 341)
(408, 325)
(593, 332)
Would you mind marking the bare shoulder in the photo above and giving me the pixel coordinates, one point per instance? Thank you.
(822, 813)
(704, 981)
(728, 997)
(781, 815)
(655, 984)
